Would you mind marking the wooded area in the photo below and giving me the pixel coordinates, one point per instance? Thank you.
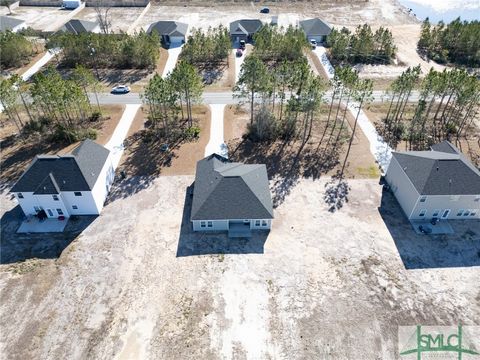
(122, 51)
(15, 50)
(457, 42)
(60, 108)
(364, 46)
(207, 48)
(166, 99)
(449, 102)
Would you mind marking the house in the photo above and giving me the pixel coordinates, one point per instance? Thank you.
(76, 27)
(172, 33)
(65, 185)
(231, 197)
(12, 24)
(71, 4)
(316, 29)
(244, 29)
(440, 183)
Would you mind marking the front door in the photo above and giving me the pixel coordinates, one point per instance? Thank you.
(445, 213)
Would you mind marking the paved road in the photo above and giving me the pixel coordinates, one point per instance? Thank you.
(220, 98)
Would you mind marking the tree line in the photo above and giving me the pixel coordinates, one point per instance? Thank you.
(207, 48)
(50, 105)
(449, 102)
(122, 51)
(15, 50)
(169, 101)
(457, 42)
(278, 44)
(363, 46)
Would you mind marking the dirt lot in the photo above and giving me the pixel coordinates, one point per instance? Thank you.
(39, 18)
(223, 76)
(121, 18)
(138, 285)
(16, 153)
(146, 159)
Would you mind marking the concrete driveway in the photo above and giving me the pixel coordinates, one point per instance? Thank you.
(216, 144)
(173, 54)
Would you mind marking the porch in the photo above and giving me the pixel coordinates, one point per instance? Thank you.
(33, 224)
(239, 230)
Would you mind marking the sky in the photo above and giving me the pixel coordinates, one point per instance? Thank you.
(446, 10)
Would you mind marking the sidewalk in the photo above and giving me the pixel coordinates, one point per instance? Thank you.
(216, 144)
(115, 144)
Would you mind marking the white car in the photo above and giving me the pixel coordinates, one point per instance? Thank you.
(120, 89)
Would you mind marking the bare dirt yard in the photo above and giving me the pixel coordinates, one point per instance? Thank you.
(138, 284)
(17, 153)
(220, 77)
(121, 19)
(146, 158)
(38, 17)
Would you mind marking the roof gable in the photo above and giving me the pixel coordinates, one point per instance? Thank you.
(9, 23)
(226, 190)
(245, 26)
(317, 27)
(168, 27)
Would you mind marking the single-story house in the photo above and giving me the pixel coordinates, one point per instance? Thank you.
(316, 29)
(172, 33)
(76, 26)
(12, 24)
(440, 183)
(244, 29)
(64, 185)
(230, 196)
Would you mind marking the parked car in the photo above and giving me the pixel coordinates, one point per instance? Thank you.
(239, 53)
(120, 89)
(265, 10)
(242, 44)
(313, 43)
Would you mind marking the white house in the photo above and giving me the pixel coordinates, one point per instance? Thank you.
(231, 197)
(11, 24)
(65, 185)
(440, 183)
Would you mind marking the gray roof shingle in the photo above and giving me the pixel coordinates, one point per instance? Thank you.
(315, 27)
(245, 26)
(226, 190)
(76, 26)
(435, 172)
(8, 23)
(77, 171)
(170, 28)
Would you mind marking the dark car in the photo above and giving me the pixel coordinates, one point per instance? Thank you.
(242, 44)
(265, 10)
(239, 53)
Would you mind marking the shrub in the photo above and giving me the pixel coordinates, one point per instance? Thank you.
(15, 50)
(192, 133)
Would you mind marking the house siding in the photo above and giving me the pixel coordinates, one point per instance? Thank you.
(444, 202)
(223, 225)
(103, 184)
(401, 186)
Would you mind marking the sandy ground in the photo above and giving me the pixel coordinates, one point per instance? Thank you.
(137, 285)
(121, 18)
(37, 17)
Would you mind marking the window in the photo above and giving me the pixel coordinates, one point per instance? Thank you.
(37, 209)
(423, 198)
(460, 212)
(59, 212)
(264, 223)
(50, 212)
(202, 224)
(422, 212)
(257, 222)
(209, 224)
(55, 197)
(20, 195)
(74, 207)
(77, 193)
(435, 213)
(466, 213)
(474, 212)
